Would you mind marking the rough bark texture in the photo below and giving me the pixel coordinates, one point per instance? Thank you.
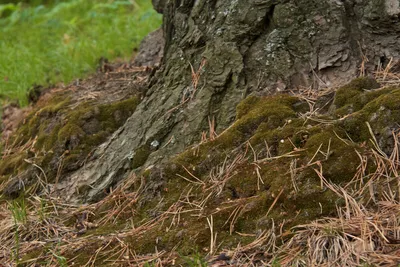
(248, 47)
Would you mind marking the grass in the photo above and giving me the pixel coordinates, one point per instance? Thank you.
(18, 209)
(19, 214)
(59, 43)
(195, 260)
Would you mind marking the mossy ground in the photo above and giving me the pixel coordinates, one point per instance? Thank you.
(59, 132)
(65, 126)
(268, 169)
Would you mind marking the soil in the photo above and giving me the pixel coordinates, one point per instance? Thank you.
(11, 118)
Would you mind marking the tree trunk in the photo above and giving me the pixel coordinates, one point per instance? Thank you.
(217, 52)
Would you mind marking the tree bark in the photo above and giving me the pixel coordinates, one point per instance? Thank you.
(219, 51)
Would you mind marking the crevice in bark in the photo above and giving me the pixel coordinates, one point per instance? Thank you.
(351, 22)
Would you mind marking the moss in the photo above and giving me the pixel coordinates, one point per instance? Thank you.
(289, 194)
(243, 184)
(70, 131)
(356, 86)
(89, 125)
(46, 142)
(34, 254)
(36, 124)
(245, 106)
(278, 122)
(197, 160)
(113, 115)
(314, 202)
(291, 135)
(253, 113)
(106, 229)
(386, 98)
(256, 197)
(270, 119)
(140, 156)
(349, 98)
(61, 131)
(85, 254)
(273, 110)
(11, 164)
(54, 105)
(339, 159)
(381, 111)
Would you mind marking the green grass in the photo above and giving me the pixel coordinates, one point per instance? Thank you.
(61, 42)
(18, 210)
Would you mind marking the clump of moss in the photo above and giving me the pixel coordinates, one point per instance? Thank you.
(254, 187)
(350, 97)
(140, 156)
(246, 105)
(37, 123)
(88, 126)
(13, 163)
(70, 135)
(59, 132)
(381, 112)
(275, 121)
(339, 158)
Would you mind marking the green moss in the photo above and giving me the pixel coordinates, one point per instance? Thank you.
(245, 106)
(95, 139)
(34, 254)
(291, 135)
(387, 99)
(272, 120)
(46, 142)
(36, 124)
(273, 110)
(11, 164)
(140, 156)
(125, 106)
(256, 117)
(276, 123)
(381, 111)
(339, 159)
(54, 105)
(106, 229)
(64, 133)
(85, 254)
(350, 97)
(289, 192)
(70, 131)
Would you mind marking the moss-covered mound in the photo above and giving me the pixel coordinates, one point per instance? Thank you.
(65, 126)
(263, 170)
(60, 136)
(269, 170)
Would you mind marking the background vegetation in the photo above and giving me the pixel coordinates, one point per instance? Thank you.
(46, 42)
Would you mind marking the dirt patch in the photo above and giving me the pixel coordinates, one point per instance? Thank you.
(11, 118)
